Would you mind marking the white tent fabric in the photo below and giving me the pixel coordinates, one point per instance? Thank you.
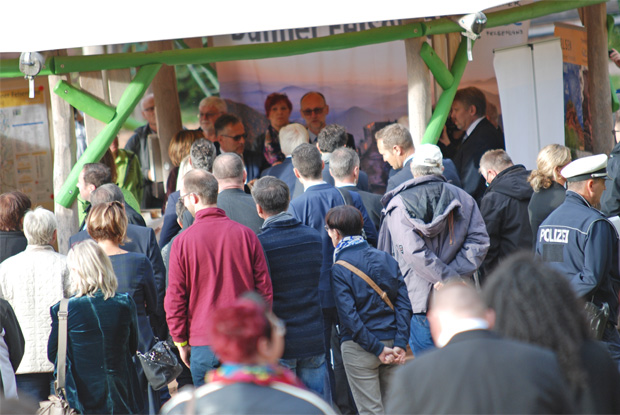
(47, 25)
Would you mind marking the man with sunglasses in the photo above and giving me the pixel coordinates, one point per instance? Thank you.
(314, 110)
(231, 135)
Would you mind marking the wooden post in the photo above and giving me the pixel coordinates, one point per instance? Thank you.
(595, 19)
(92, 82)
(419, 96)
(63, 128)
(167, 108)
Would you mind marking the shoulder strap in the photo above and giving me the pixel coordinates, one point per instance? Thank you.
(348, 200)
(62, 343)
(368, 280)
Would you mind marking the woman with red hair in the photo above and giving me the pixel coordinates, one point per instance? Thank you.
(249, 340)
(278, 109)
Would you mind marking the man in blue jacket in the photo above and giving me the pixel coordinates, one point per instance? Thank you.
(294, 256)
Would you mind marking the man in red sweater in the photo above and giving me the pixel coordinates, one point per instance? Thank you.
(211, 264)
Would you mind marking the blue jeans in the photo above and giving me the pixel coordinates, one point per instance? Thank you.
(201, 361)
(312, 371)
(420, 334)
(37, 386)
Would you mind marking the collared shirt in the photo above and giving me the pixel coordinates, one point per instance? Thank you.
(408, 159)
(313, 184)
(471, 128)
(312, 136)
(459, 326)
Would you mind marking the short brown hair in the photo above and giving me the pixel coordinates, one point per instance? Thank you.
(472, 96)
(107, 222)
(13, 207)
(346, 219)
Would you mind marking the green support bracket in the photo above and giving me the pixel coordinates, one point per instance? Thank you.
(85, 102)
(439, 70)
(444, 104)
(130, 98)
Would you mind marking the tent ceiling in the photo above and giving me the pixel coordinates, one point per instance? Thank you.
(68, 24)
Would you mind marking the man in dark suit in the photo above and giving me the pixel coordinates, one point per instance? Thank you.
(238, 205)
(290, 137)
(476, 371)
(330, 138)
(395, 144)
(344, 166)
(201, 156)
(468, 113)
(139, 239)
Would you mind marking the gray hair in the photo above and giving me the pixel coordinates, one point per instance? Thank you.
(342, 162)
(331, 137)
(39, 226)
(497, 160)
(307, 160)
(145, 98)
(419, 171)
(202, 153)
(395, 135)
(271, 194)
(228, 166)
(91, 270)
(217, 102)
(106, 193)
(202, 184)
(291, 136)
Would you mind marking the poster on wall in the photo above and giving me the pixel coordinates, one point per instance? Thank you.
(577, 120)
(25, 153)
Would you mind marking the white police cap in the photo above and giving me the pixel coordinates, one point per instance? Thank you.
(591, 167)
(427, 155)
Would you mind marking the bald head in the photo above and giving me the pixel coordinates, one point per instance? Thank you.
(228, 170)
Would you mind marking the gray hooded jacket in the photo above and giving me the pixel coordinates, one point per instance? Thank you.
(435, 232)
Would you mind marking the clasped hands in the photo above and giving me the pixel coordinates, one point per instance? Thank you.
(392, 356)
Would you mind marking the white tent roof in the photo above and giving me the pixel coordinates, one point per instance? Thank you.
(46, 25)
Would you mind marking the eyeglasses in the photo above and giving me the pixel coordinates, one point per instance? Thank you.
(209, 114)
(327, 228)
(309, 111)
(149, 109)
(236, 137)
(181, 197)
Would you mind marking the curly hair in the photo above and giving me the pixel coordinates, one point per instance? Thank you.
(535, 304)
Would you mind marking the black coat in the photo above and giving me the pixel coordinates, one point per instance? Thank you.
(542, 204)
(467, 160)
(610, 201)
(504, 209)
(11, 243)
(479, 373)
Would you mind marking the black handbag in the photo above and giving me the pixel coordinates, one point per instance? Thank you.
(160, 365)
(597, 318)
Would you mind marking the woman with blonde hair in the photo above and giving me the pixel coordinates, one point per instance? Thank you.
(107, 225)
(102, 337)
(548, 184)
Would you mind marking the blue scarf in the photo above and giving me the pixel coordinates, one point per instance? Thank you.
(348, 241)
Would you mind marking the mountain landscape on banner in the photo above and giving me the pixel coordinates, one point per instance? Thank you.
(352, 106)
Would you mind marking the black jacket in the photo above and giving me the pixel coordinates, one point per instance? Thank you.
(13, 336)
(504, 209)
(11, 243)
(543, 203)
(610, 201)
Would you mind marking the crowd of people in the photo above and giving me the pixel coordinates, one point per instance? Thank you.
(284, 285)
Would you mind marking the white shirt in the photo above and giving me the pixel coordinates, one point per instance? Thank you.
(459, 326)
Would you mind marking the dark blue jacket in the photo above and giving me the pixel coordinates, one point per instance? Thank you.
(364, 317)
(284, 171)
(170, 227)
(580, 243)
(310, 208)
(294, 256)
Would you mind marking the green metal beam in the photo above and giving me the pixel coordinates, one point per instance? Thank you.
(130, 98)
(444, 103)
(65, 64)
(439, 70)
(85, 102)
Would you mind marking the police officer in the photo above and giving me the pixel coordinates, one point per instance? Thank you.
(577, 240)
